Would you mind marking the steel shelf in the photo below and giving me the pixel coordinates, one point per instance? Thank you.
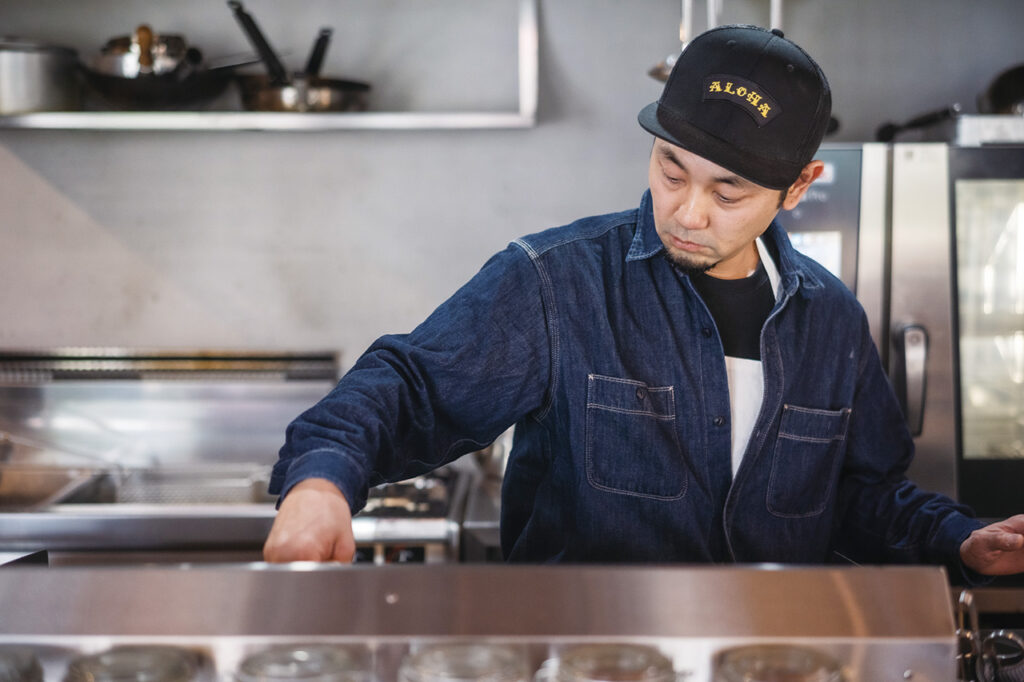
(525, 117)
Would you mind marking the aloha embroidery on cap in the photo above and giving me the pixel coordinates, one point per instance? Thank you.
(745, 94)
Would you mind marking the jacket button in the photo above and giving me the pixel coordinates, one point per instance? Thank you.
(706, 331)
(641, 393)
(718, 421)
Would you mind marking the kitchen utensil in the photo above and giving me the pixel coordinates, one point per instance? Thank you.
(1002, 657)
(305, 91)
(316, 56)
(303, 94)
(1005, 94)
(37, 77)
(148, 70)
(149, 92)
(277, 74)
(888, 131)
(144, 52)
(662, 69)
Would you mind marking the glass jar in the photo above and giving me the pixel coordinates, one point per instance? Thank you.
(465, 662)
(613, 663)
(19, 664)
(311, 663)
(776, 663)
(135, 664)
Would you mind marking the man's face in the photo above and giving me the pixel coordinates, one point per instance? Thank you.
(708, 217)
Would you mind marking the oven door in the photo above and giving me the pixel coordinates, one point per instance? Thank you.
(957, 318)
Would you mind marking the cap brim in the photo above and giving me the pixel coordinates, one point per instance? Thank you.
(719, 152)
(648, 118)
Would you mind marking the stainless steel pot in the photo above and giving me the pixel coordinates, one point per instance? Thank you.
(37, 77)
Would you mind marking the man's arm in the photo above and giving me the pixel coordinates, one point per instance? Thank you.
(314, 523)
(996, 549)
(883, 517)
(413, 403)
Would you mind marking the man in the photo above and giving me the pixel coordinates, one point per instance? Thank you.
(685, 386)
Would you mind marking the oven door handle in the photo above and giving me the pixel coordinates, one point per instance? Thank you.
(909, 378)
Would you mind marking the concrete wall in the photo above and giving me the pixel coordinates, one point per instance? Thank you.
(325, 240)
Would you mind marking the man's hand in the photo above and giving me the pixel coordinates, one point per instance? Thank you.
(996, 549)
(314, 523)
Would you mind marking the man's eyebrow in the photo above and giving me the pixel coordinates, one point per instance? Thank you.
(732, 180)
(669, 155)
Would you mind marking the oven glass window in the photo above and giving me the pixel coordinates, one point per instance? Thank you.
(990, 290)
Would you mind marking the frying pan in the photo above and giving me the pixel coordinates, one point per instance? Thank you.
(305, 91)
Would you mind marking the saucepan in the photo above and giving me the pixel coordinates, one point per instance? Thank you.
(35, 76)
(305, 91)
(149, 70)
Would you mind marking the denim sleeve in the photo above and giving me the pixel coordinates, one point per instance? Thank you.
(416, 401)
(884, 517)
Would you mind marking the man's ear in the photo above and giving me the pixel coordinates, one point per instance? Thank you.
(796, 191)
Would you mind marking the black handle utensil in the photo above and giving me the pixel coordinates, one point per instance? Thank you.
(275, 69)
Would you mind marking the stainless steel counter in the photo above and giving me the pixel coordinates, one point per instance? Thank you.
(880, 623)
(101, 533)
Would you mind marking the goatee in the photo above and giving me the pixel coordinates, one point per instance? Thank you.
(686, 266)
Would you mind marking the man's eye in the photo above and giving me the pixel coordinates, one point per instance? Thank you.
(727, 200)
(672, 180)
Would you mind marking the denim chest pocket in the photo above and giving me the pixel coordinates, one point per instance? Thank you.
(631, 443)
(809, 447)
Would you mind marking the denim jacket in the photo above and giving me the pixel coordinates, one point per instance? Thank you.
(610, 366)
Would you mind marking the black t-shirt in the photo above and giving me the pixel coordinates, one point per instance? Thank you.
(739, 308)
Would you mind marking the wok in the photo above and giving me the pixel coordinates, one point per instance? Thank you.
(1005, 94)
(147, 70)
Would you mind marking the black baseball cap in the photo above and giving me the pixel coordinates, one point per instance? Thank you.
(747, 99)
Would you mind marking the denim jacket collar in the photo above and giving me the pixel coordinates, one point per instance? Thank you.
(647, 244)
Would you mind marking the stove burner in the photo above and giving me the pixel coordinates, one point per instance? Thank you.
(311, 663)
(19, 664)
(135, 664)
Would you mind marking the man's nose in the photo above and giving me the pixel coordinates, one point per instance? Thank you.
(692, 213)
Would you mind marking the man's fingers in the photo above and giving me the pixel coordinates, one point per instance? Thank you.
(1010, 542)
